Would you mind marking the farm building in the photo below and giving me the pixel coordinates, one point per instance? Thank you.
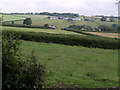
(96, 29)
(52, 17)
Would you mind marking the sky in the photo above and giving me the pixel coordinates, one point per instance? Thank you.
(82, 7)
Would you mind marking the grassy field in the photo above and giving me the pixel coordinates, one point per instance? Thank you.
(55, 31)
(12, 17)
(40, 20)
(72, 66)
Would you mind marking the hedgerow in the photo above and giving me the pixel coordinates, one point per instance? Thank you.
(86, 41)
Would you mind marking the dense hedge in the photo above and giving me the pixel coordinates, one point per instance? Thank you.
(86, 41)
(19, 25)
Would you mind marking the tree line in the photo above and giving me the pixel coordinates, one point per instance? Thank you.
(102, 28)
(45, 13)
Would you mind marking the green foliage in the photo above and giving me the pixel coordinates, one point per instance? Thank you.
(79, 28)
(86, 41)
(112, 28)
(27, 21)
(18, 72)
(103, 19)
(19, 25)
(46, 25)
(72, 15)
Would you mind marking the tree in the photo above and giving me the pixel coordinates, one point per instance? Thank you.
(46, 25)
(27, 21)
(12, 22)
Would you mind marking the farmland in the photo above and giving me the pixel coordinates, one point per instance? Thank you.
(12, 17)
(71, 59)
(40, 30)
(111, 35)
(40, 20)
(73, 65)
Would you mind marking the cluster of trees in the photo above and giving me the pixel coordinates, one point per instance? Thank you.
(59, 14)
(79, 28)
(102, 28)
(46, 13)
(105, 19)
(112, 28)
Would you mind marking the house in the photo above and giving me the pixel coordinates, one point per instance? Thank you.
(52, 17)
(96, 29)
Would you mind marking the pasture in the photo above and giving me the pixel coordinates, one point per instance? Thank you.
(73, 66)
(12, 17)
(69, 66)
(40, 20)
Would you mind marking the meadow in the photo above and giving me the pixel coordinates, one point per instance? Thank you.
(12, 17)
(73, 66)
(69, 65)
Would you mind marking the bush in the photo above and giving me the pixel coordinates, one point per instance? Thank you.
(18, 72)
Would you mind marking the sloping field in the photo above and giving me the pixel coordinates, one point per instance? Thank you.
(40, 20)
(12, 17)
(111, 35)
(55, 31)
(74, 66)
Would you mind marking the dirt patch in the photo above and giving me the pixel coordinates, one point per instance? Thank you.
(111, 35)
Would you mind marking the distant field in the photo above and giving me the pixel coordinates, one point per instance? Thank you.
(55, 31)
(111, 35)
(12, 17)
(40, 20)
(75, 66)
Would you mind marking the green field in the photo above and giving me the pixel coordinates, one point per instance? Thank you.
(69, 66)
(75, 66)
(40, 20)
(55, 31)
(12, 17)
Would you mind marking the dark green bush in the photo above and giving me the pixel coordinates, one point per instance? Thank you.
(18, 72)
(19, 25)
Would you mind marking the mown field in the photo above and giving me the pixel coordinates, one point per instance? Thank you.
(73, 66)
(111, 35)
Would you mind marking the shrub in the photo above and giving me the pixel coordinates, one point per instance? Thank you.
(18, 72)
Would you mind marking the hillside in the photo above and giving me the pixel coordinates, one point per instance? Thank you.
(40, 20)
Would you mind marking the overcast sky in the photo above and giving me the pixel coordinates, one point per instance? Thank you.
(82, 7)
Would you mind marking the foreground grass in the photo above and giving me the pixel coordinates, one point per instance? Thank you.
(72, 65)
(55, 31)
